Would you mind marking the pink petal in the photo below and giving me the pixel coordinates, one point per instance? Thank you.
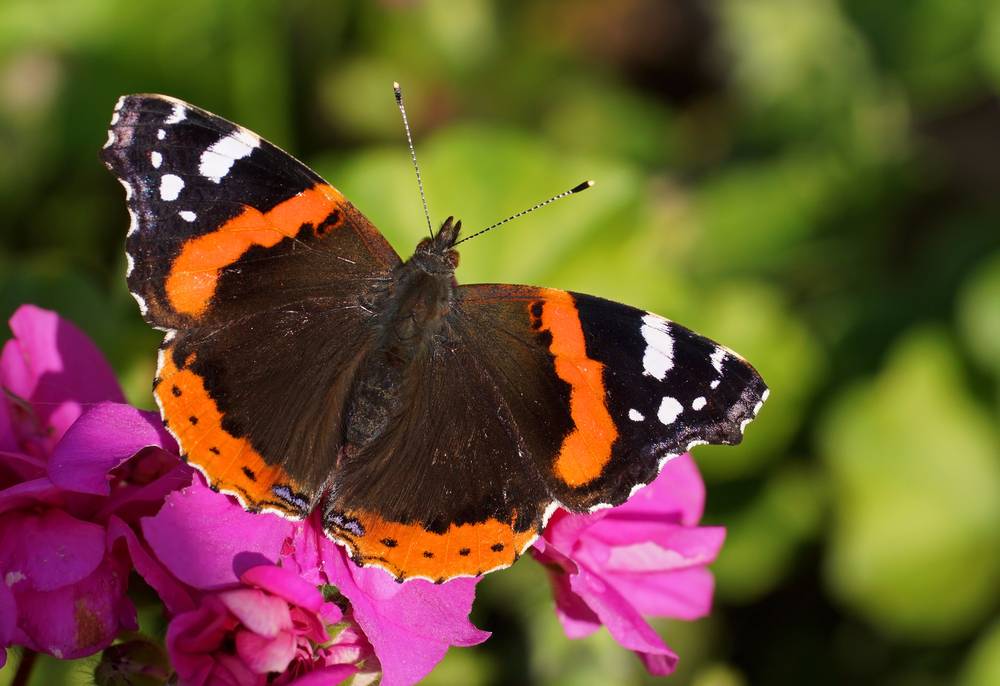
(16, 467)
(565, 528)
(263, 654)
(106, 435)
(51, 549)
(197, 633)
(207, 540)
(8, 620)
(325, 676)
(259, 612)
(668, 548)
(284, 584)
(8, 439)
(409, 625)
(175, 595)
(302, 552)
(28, 494)
(131, 502)
(230, 670)
(56, 367)
(678, 490)
(78, 619)
(576, 617)
(616, 613)
(658, 664)
(684, 594)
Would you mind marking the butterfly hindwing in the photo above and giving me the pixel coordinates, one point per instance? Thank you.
(259, 272)
(532, 398)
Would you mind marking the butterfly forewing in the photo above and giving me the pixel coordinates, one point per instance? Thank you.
(259, 271)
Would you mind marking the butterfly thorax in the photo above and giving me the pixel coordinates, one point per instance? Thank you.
(412, 314)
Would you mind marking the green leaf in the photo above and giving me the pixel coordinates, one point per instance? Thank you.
(982, 667)
(979, 314)
(763, 538)
(915, 469)
(481, 174)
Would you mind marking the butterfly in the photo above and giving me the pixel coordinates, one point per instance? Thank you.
(436, 426)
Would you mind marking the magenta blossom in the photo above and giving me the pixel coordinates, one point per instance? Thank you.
(64, 436)
(208, 545)
(645, 557)
(275, 623)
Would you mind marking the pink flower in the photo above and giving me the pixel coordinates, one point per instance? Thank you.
(645, 557)
(64, 436)
(209, 544)
(275, 623)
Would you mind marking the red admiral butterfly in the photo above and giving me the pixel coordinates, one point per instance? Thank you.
(437, 425)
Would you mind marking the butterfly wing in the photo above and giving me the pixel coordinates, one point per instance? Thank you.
(260, 272)
(532, 398)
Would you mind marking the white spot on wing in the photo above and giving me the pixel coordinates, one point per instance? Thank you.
(220, 156)
(160, 134)
(133, 222)
(698, 403)
(178, 114)
(129, 264)
(114, 118)
(187, 215)
(659, 355)
(170, 186)
(763, 396)
(13, 577)
(669, 410)
(111, 139)
(156, 159)
(717, 357)
(635, 415)
(714, 384)
(143, 307)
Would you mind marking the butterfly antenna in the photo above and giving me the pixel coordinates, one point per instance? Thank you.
(575, 189)
(413, 154)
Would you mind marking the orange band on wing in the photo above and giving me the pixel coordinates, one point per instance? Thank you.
(408, 550)
(229, 463)
(195, 272)
(587, 448)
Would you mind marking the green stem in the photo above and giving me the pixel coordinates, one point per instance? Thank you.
(23, 675)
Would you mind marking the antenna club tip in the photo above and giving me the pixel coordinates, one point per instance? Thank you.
(582, 187)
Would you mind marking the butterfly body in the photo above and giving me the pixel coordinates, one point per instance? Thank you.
(435, 425)
(410, 313)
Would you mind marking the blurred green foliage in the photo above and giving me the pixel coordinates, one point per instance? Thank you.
(812, 183)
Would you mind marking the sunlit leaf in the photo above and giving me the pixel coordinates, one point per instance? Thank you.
(916, 486)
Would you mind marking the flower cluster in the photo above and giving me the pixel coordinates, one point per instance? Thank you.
(92, 489)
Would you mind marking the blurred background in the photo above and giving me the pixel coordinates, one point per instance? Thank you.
(813, 183)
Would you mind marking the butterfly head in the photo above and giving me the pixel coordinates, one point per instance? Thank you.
(438, 253)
